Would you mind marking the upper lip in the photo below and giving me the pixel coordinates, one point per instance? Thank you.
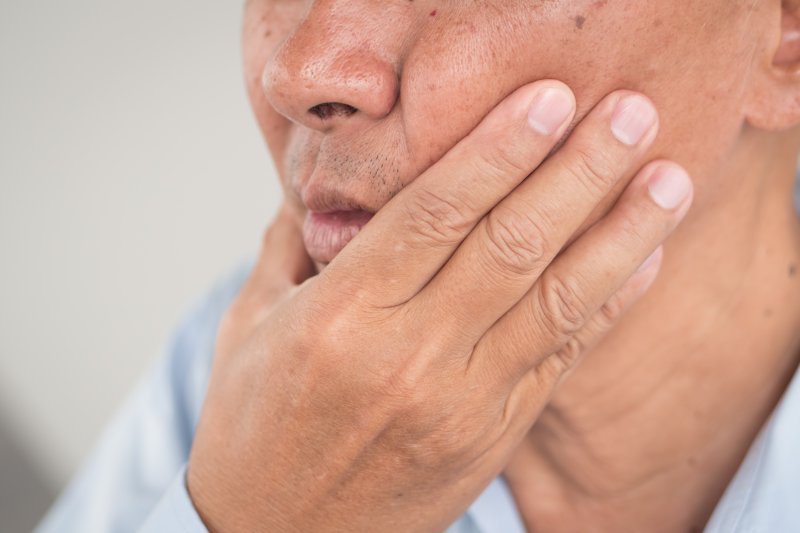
(319, 197)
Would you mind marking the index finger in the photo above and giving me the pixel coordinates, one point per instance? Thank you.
(408, 241)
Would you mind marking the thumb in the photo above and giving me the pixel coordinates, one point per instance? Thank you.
(281, 265)
(283, 261)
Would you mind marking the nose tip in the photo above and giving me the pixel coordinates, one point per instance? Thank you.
(322, 84)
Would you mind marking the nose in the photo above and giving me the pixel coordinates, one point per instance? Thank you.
(328, 71)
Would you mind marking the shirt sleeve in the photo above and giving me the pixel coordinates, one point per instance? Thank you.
(137, 469)
(175, 513)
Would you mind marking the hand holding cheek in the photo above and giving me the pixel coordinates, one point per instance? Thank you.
(385, 393)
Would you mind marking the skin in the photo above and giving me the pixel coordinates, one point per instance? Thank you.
(714, 339)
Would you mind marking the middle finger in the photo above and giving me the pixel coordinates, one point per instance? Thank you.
(513, 244)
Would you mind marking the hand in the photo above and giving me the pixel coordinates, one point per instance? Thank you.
(385, 393)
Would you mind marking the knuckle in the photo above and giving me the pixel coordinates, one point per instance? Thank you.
(447, 440)
(504, 159)
(516, 241)
(330, 328)
(438, 219)
(324, 336)
(241, 317)
(229, 324)
(565, 358)
(636, 228)
(563, 304)
(403, 389)
(431, 428)
(594, 168)
(611, 311)
(403, 376)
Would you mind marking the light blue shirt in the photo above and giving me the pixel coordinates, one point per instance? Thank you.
(134, 479)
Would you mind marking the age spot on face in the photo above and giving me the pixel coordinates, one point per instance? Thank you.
(580, 21)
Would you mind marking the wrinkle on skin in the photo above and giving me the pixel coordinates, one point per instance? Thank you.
(603, 448)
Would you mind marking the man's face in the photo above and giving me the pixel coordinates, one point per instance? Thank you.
(410, 78)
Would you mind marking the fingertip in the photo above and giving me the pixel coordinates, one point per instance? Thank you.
(551, 108)
(550, 83)
(668, 184)
(653, 261)
(634, 118)
(645, 275)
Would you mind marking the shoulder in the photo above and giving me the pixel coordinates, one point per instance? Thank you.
(145, 445)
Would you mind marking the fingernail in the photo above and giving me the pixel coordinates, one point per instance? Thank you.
(654, 257)
(549, 110)
(633, 117)
(669, 186)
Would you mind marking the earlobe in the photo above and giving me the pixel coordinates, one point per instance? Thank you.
(775, 100)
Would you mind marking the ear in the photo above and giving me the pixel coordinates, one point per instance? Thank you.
(775, 102)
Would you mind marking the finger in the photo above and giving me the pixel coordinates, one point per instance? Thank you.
(409, 240)
(499, 261)
(282, 262)
(532, 393)
(585, 275)
(280, 266)
(558, 365)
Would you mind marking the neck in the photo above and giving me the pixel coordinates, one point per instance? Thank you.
(653, 425)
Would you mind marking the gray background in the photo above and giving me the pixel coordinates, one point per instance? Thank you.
(132, 177)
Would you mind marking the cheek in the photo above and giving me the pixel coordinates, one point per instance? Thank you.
(455, 73)
(265, 25)
(459, 70)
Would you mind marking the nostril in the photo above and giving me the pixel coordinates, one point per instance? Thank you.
(332, 109)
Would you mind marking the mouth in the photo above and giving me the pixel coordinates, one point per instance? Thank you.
(336, 212)
(325, 234)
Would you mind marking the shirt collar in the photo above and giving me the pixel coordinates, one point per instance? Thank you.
(495, 511)
(765, 493)
(763, 496)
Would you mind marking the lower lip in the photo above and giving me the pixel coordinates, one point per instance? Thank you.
(326, 234)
